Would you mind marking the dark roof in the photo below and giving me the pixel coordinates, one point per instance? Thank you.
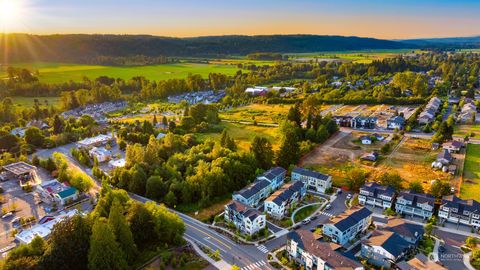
(286, 192)
(397, 119)
(273, 173)
(237, 206)
(417, 198)
(326, 251)
(403, 228)
(390, 241)
(453, 201)
(251, 213)
(445, 155)
(310, 173)
(350, 217)
(253, 188)
(377, 189)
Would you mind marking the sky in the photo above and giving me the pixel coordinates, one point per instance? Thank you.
(388, 19)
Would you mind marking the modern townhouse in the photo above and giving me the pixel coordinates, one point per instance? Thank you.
(313, 180)
(346, 226)
(385, 248)
(315, 255)
(410, 232)
(396, 122)
(278, 204)
(263, 186)
(247, 220)
(376, 195)
(428, 114)
(364, 122)
(458, 211)
(415, 204)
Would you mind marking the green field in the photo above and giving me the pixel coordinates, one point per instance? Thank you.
(244, 134)
(27, 102)
(470, 188)
(262, 113)
(464, 130)
(58, 72)
(354, 56)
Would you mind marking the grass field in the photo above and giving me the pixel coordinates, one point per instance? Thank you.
(464, 130)
(27, 102)
(244, 134)
(58, 72)
(353, 56)
(470, 188)
(262, 113)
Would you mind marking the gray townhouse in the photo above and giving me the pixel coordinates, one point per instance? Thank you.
(375, 195)
(458, 211)
(313, 180)
(412, 204)
(346, 226)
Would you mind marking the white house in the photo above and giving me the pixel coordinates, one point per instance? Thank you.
(366, 140)
(415, 204)
(396, 122)
(100, 153)
(346, 226)
(98, 140)
(247, 220)
(54, 191)
(314, 180)
(277, 204)
(313, 254)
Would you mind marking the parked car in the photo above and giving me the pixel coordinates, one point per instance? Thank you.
(306, 221)
(7, 215)
(349, 196)
(339, 191)
(328, 206)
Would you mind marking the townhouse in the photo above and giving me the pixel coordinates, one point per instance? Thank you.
(313, 180)
(376, 195)
(396, 122)
(428, 114)
(364, 122)
(458, 211)
(410, 232)
(263, 186)
(415, 204)
(278, 204)
(384, 248)
(247, 220)
(315, 255)
(346, 226)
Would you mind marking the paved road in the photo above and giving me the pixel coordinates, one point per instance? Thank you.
(452, 257)
(388, 131)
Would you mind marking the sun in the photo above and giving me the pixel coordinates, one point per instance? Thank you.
(10, 12)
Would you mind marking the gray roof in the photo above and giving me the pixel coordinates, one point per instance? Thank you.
(252, 189)
(349, 221)
(417, 198)
(310, 173)
(377, 189)
(273, 173)
(453, 201)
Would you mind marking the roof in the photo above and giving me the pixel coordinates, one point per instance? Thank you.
(454, 144)
(390, 241)
(326, 251)
(286, 192)
(403, 228)
(251, 214)
(397, 119)
(247, 212)
(237, 206)
(417, 198)
(310, 173)
(365, 138)
(272, 173)
(377, 189)
(445, 155)
(67, 192)
(253, 188)
(453, 201)
(19, 168)
(350, 217)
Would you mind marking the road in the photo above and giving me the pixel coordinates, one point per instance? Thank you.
(389, 131)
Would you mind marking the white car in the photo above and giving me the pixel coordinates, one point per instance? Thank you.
(328, 206)
(306, 221)
(349, 196)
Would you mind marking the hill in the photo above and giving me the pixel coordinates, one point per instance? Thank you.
(453, 42)
(84, 48)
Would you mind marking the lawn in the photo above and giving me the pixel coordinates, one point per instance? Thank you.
(470, 188)
(262, 113)
(305, 212)
(27, 102)
(464, 130)
(244, 134)
(61, 72)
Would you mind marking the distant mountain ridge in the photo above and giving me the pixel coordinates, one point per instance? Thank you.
(80, 47)
(473, 42)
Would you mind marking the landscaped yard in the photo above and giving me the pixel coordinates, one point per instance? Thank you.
(244, 134)
(470, 188)
(305, 212)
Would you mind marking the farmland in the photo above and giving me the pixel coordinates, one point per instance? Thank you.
(259, 112)
(60, 72)
(27, 102)
(470, 188)
(353, 56)
(464, 130)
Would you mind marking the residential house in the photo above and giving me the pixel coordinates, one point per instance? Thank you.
(415, 204)
(458, 211)
(55, 192)
(366, 140)
(316, 181)
(38, 124)
(161, 135)
(345, 227)
(96, 141)
(100, 153)
(364, 122)
(283, 199)
(468, 113)
(428, 114)
(372, 156)
(247, 220)
(410, 232)
(19, 132)
(444, 157)
(378, 137)
(419, 262)
(263, 186)
(376, 195)
(453, 146)
(396, 122)
(313, 254)
(343, 121)
(384, 248)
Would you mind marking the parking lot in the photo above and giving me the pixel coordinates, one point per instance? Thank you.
(21, 204)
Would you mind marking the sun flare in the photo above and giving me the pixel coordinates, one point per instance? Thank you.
(10, 13)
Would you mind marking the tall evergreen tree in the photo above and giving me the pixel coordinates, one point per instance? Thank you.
(263, 152)
(105, 253)
(289, 149)
(120, 228)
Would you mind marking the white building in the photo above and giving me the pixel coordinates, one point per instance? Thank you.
(118, 163)
(54, 191)
(458, 211)
(100, 153)
(95, 141)
(366, 140)
(43, 229)
(384, 248)
(314, 180)
(283, 199)
(247, 220)
(313, 254)
(346, 226)
(415, 204)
